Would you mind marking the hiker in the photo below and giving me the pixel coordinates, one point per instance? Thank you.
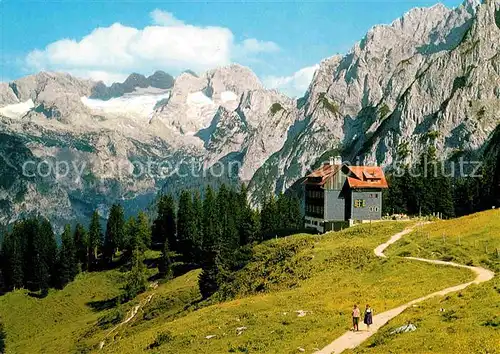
(356, 314)
(368, 316)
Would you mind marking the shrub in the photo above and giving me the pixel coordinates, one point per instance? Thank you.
(275, 108)
(276, 264)
(113, 318)
(384, 111)
(330, 106)
(162, 338)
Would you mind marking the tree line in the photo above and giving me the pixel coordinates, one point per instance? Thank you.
(429, 187)
(211, 231)
(214, 232)
(30, 257)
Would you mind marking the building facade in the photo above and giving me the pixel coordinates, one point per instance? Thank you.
(337, 195)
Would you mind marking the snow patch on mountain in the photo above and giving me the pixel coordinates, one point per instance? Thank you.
(17, 110)
(137, 105)
(228, 96)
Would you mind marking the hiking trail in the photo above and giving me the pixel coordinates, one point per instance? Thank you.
(350, 339)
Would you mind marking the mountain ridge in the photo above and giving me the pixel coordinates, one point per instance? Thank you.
(432, 70)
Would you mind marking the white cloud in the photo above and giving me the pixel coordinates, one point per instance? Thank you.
(252, 46)
(113, 52)
(164, 18)
(294, 85)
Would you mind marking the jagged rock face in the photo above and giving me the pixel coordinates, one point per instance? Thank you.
(159, 79)
(430, 78)
(222, 115)
(195, 100)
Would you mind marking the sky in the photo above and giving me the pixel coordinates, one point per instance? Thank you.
(281, 41)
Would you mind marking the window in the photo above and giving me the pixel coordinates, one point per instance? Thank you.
(359, 203)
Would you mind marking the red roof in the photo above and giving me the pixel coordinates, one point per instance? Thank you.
(358, 176)
(367, 177)
(322, 174)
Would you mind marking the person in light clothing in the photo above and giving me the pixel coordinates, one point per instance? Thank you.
(356, 314)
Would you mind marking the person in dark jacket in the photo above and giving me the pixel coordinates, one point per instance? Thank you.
(368, 320)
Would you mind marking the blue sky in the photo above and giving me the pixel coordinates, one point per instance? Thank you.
(275, 38)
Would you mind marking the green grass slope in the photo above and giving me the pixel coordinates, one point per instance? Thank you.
(322, 275)
(55, 323)
(470, 322)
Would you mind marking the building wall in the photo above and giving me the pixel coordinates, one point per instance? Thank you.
(314, 223)
(371, 208)
(334, 205)
(314, 201)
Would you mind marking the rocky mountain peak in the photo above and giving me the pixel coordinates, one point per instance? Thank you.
(159, 79)
(234, 77)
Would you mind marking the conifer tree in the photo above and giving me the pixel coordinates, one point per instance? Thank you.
(164, 226)
(143, 230)
(269, 218)
(186, 227)
(137, 278)
(211, 231)
(212, 275)
(131, 235)
(48, 248)
(210, 264)
(80, 240)
(197, 228)
(165, 263)
(249, 229)
(68, 263)
(39, 255)
(228, 212)
(115, 233)
(95, 240)
(13, 257)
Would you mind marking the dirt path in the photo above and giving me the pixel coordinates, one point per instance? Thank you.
(131, 315)
(350, 340)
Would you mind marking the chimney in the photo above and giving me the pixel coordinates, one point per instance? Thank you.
(335, 160)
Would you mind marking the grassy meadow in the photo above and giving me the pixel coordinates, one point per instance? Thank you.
(55, 323)
(470, 322)
(320, 275)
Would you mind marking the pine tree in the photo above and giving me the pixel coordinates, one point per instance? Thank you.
(13, 257)
(131, 236)
(68, 263)
(115, 233)
(197, 228)
(80, 240)
(95, 240)
(48, 248)
(186, 227)
(165, 263)
(228, 212)
(208, 280)
(211, 230)
(39, 255)
(269, 218)
(248, 224)
(143, 230)
(294, 213)
(164, 226)
(137, 278)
